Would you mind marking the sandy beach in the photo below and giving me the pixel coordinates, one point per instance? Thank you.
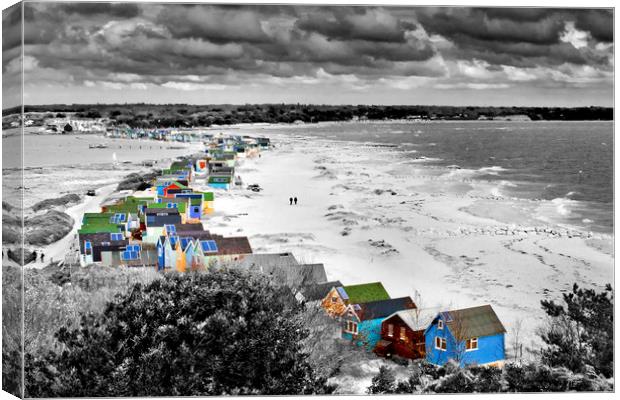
(412, 232)
(446, 240)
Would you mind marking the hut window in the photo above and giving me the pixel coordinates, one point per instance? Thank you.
(471, 344)
(440, 324)
(334, 299)
(440, 343)
(403, 337)
(88, 248)
(390, 330)
(352, 327)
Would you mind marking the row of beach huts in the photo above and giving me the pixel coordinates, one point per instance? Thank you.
(163, 226)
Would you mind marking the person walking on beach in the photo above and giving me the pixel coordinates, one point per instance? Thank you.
(290, 201)
(295, 200)
(42, 255)
(34, 253)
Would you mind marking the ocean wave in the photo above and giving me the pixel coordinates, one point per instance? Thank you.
(423, 159)
(496, 192)
(563, 205)
(507, 183)
(494, 170)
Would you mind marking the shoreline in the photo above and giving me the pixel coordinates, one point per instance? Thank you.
(416, 240)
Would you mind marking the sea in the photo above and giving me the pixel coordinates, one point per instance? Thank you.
(566, 165)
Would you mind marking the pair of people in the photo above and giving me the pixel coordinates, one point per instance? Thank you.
(291, 200)
(35, 256)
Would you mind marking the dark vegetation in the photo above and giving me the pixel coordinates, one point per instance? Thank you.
(47, 228)
(96, 331)
(136, 181)
(578, 356)
(70, 198)
(217, 333)
(12, 312)
(187, 115)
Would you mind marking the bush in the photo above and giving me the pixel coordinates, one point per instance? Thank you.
(383, 383)
(580, 333)
(542, 378)
(193, 334)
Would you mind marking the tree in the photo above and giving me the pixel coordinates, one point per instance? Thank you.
(225, 332)
(580, 333)
(68, 128)
(382, 383)
(517, 346)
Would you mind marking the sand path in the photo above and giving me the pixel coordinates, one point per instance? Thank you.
(60, 249)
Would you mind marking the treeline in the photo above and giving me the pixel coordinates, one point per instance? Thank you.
(186, 115)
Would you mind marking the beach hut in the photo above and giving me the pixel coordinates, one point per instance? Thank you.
(361, 323)
(133, 255)
(175, 187)
(161, 250)
(222, 250)
(339, 297)
(93, 240)
(467, 336)
(195, 206)
(263, 142)
(313, 293)
(170, 254)
(201, 166)
(402, 333)
(155, 221)
(207, 202)
(220, 182)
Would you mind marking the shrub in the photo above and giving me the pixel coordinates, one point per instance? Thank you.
(580, 332)
(218, 333)
(383, 383)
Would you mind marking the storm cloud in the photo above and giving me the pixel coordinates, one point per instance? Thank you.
(139, 46)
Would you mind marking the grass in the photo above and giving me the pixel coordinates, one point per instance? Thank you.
(56, 297)
(12, 330)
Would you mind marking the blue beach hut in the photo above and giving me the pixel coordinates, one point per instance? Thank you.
(470, 336)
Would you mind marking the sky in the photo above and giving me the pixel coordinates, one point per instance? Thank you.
(209, 54)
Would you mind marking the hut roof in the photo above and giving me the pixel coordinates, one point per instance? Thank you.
(473, 322)
(417, 319)
(366, 292)
(382, 308)
(317, 291)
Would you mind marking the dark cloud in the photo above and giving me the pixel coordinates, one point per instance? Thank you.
(11, 27)
(521, 14)
(492, 25)
(212, 43)
(214, 23)
(523, 37)
(600, 23)
(124, 10)
(347, 23)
